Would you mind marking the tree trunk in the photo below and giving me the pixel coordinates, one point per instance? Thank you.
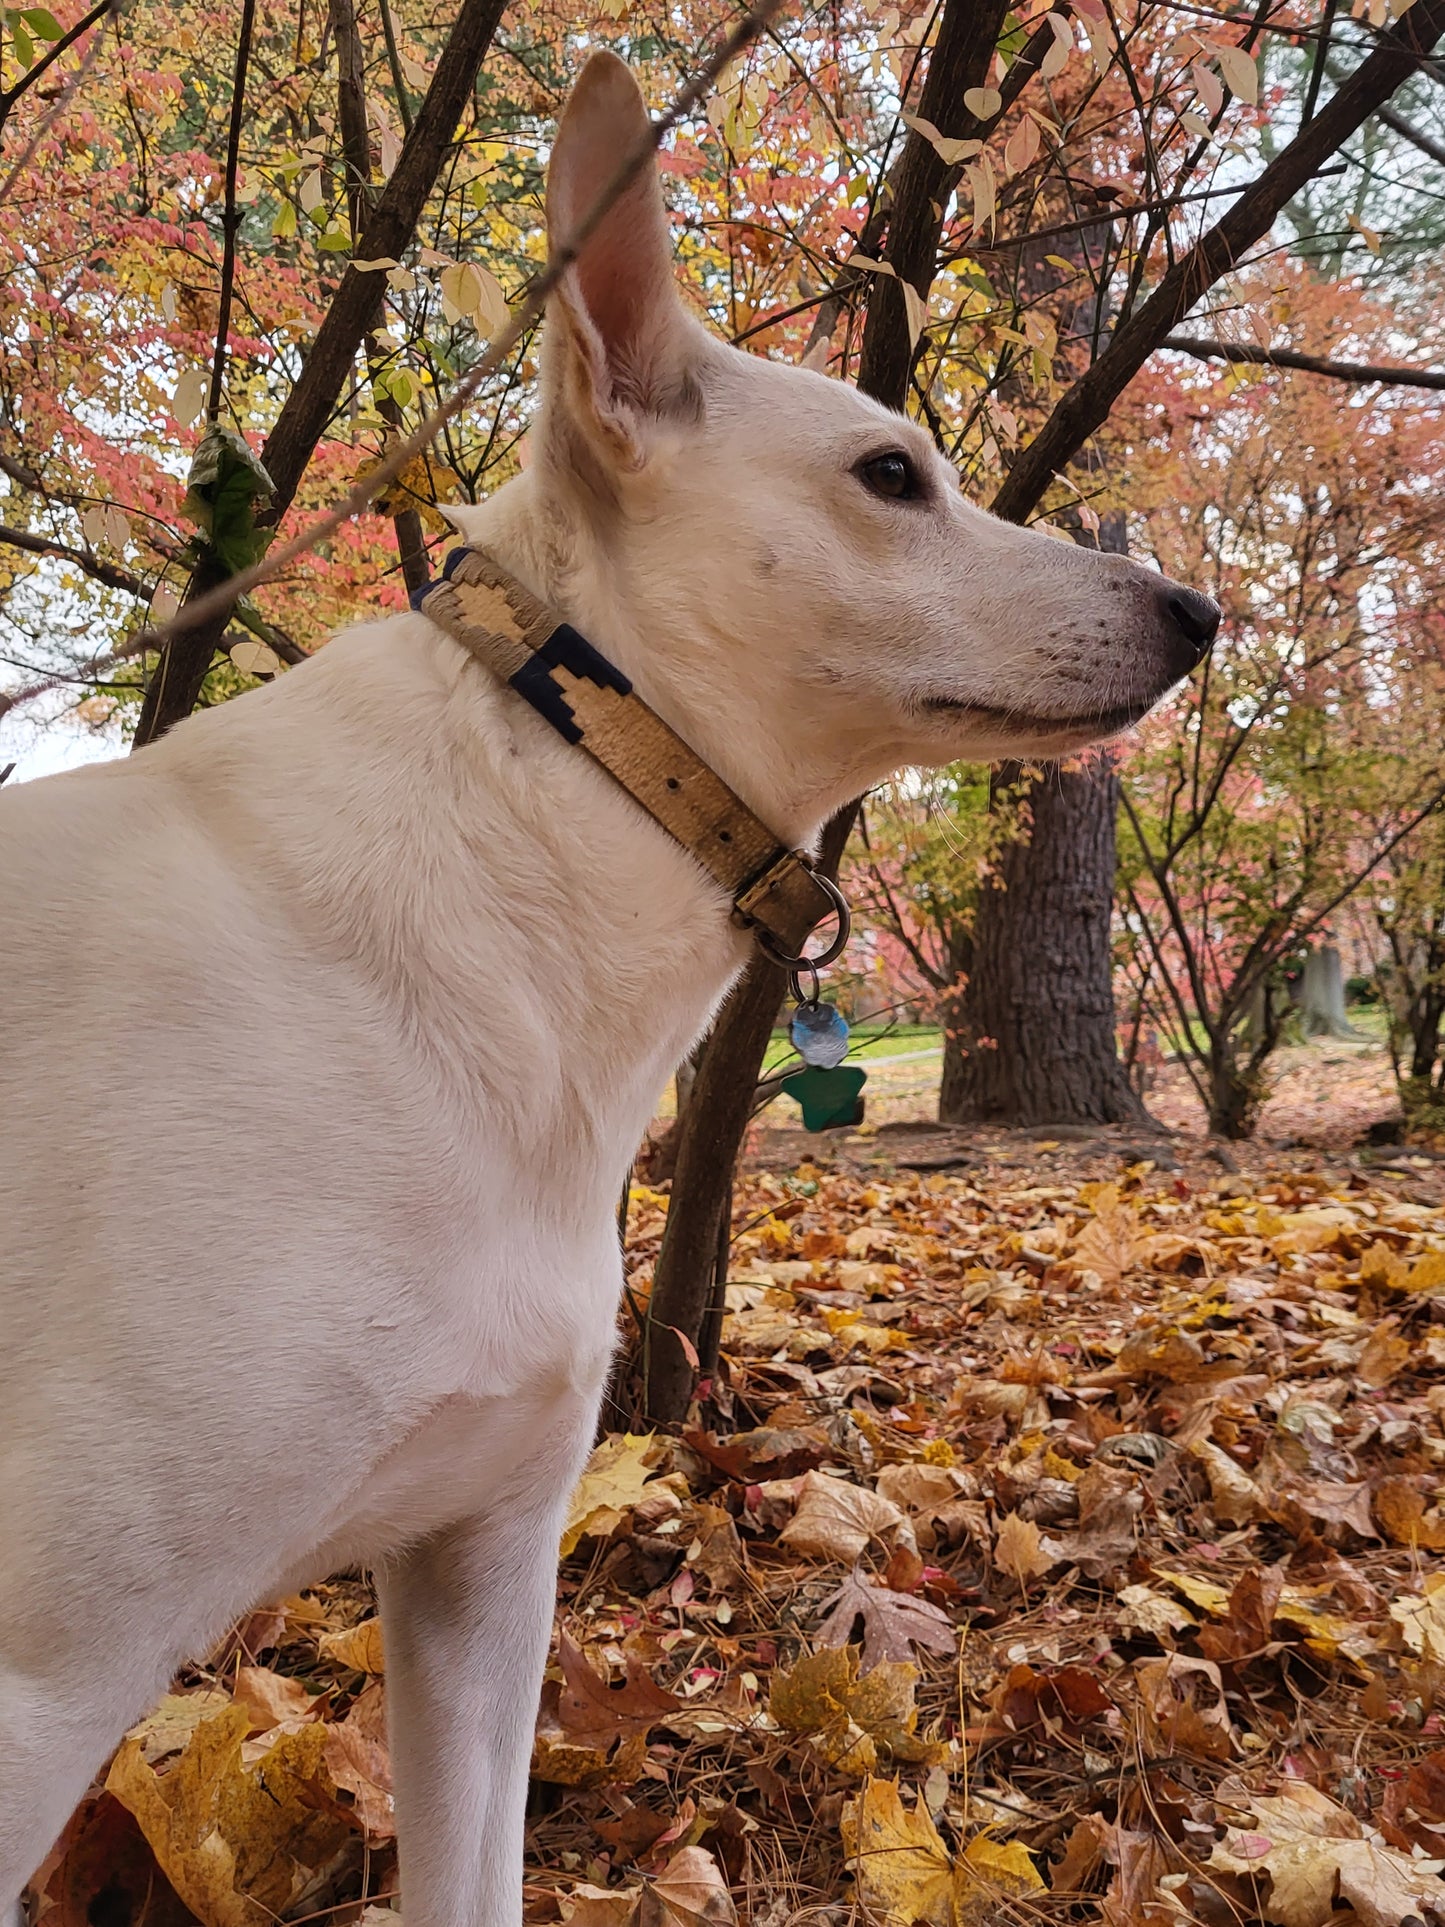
(1234, 1097)
(709, 1136)
(1322, 994)
(1035, 1040)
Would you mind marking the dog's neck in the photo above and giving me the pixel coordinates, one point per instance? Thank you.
(534, 529)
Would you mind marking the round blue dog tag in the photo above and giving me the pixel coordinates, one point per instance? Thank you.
(820, 1035)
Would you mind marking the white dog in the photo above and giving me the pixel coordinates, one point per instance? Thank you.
(329, 1024)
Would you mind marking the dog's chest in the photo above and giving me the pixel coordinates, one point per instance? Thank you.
(465, 1458)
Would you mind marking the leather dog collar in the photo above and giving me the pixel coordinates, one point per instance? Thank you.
(776, 892)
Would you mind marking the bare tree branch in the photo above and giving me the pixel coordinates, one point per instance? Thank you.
(1385, 372)
(1086, 405)
(231, 218)
(1427, 143)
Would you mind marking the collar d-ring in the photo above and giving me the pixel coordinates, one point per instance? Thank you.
(836, 944)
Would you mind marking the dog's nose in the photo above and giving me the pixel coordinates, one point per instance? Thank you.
(1195, 617)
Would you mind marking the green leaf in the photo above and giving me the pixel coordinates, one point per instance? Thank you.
(225, 483)
(24, 45)
(42, 23)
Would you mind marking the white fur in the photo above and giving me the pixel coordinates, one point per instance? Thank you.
(329, 1024)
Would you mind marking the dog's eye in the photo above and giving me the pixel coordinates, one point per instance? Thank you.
(892, 476)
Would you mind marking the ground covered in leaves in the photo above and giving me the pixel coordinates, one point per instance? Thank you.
(1058, 1540)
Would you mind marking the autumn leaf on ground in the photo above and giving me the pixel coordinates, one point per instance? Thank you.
(240, 1844)
(893, 1622)
(900, 1865)
(1422, 1619)
(1315, 1851)
(837, 1520)
(849, 1718)
(359, 1647)
(1401, 1511)
(170, 1726)
(611, 1482)
(592, 1710)
(272, 1700)
(689, 1892)
(904, 1872)
(1020, 1551)
(1236, 1498)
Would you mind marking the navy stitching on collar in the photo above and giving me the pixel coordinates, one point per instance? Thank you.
(565, 649)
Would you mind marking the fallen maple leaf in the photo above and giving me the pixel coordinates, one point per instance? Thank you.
(900, 1865)
(893, 1622)
(849, 1718)
(837, 1520)
(904, 1873)
(612, 1481)
(592, 1710)
(359, 1647)
(1315, 1851)
(1020, 1550)
(238, 1843)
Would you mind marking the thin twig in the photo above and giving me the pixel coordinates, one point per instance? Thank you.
(231, 219)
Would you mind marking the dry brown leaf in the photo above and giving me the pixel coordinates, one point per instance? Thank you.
(589, 1906)
(893, 1622)
(836, 1520)
(1314, 1850)
(238, 1843)
(1236, 1498)
(272, 1700)
(592, 1711)
(359, 1763)
(1400, 1508)
(1386, 1354)
(1020, 1551)
(689, 1892)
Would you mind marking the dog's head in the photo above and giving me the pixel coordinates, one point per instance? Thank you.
(801, 559)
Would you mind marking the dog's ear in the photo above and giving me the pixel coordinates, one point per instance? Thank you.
(618, 336)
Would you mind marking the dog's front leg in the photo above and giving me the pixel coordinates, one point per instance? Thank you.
(467, 1620)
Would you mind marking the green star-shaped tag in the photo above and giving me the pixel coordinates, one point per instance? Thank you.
(827, 1097)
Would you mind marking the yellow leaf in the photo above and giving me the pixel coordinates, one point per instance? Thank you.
(611, 1482)
(359, 1646)
(173, 1722)
(1422, 1619)
(1202, 1593)
(1426, 1275)
(238, 1843)
(987, 1870)
(900, 1865)
(851, 1718)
